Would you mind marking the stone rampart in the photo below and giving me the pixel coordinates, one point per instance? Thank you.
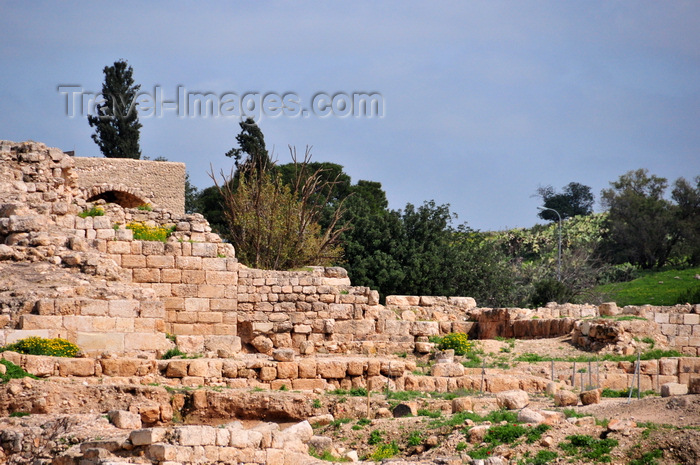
(132, 182)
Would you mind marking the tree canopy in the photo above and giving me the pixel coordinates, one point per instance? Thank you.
(575, 199)
(116, 123)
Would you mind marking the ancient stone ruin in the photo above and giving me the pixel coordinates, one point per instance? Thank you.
(126, 302)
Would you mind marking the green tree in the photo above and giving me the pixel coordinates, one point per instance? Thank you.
(687, 198)
(641, 224)
(251, 143)
(575, 199)
(191, 195)
(116, 123)
(274, 225)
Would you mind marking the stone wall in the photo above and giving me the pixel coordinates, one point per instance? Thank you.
(160, 183)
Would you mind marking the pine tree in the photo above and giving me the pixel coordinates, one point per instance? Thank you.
(116, 123)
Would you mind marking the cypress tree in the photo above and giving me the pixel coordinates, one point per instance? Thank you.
(116, 123)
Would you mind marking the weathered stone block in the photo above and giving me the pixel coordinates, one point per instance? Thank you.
(514, 399)
(195, 435)
(76, 367)
(402, 301)
(331, 369)
(39, 365)
(308, 384)
(147, 436)
(122, 308)
(673, 389)
(127, 420)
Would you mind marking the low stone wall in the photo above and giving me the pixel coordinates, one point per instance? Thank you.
(333, 372)
(193, 444)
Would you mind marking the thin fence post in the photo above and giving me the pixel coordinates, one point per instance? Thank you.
(573, 376)
(590, 374)
(551, 370)
(639, 376)
(483, 374)
(597, 373)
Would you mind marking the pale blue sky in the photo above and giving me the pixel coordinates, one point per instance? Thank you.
(484, 101)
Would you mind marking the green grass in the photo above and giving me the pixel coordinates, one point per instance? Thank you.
(587, 447)
(653, 354)
(13, 372)
(655, 288)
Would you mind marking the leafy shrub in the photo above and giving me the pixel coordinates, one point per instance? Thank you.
(429, 413)
(459, 342)
(174, 353)
(385, 451)
(94, 211)
(648, 458)
(618, 274)
(543, 457)
(39, 346)
(19, 414)
(143, 232)
(588, 447)
(375, 437)
(145, 207)
(689, 296)
(550, 290)
(504, 434)
(497, 416)
(416, 438)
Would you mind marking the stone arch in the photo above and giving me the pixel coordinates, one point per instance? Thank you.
(124, 196)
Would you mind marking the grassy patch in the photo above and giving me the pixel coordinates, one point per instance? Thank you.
(385, 451)
(587, 447)
(653, 354)
(94, 211)
(326, 456)
(625, 393)
(656, 288)
(13, 372)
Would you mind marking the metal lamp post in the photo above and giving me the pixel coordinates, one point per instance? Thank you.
(559, 249)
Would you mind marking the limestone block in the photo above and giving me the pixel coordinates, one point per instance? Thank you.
(462, 404)
(478, 433)
(246, 439)
(552, 417)
(608, 309)
(402, 301)
(94, 342)
(177, 368)
(268, 373)
(195, 435)
(140, 437)
(39, 365)
(565, 398)
(41, 322)
(668, 366)
(198, 367)
(425, 328)
(590, 397)
(76, 367)
(307, 368)
(293, 438)
(331, 369)
(462, 302)
(169, 453)
(225, 346)
(26, 223)
(448, 369)
(262, 344)
(527, 415)
(283, 355)
(287, 370)
(146, 341)
(126, 420)
(673, 389)
(203, 249)
(512, 400)
(121, 308)
(308, 384)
